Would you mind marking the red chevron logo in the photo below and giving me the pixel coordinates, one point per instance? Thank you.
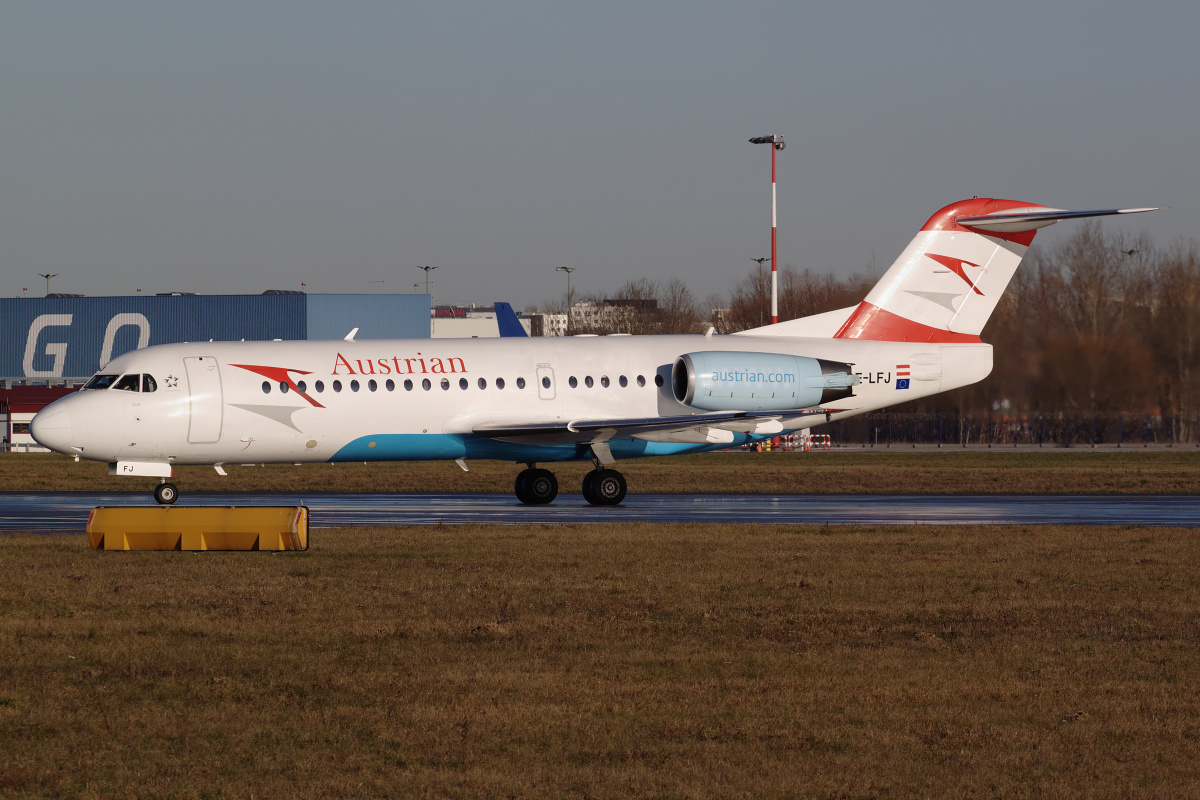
(281, 375)
(955, 265)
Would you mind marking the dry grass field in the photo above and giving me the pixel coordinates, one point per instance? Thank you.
(599, 661)
(873, 472)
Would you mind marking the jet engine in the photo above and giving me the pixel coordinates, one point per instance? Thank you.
(717, 380)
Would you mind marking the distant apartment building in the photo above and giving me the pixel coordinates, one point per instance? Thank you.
(613, 315)
(551, 325)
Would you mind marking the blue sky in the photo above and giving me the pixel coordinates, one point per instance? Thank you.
(236, 147)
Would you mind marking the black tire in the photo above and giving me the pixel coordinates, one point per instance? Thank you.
(519, 486)
(589, 488)
(541, 487)
(166, 493)
(607, 487)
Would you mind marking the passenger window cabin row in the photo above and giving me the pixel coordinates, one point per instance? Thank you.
(146, 383)
(444, 383)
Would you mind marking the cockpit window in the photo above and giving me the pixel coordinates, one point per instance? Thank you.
(129, 383)
(149, 384)
(100, 382)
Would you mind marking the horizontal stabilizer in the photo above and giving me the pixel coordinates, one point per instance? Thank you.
(1014, 221)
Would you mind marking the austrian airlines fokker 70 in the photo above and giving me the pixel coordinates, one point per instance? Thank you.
(546, 399)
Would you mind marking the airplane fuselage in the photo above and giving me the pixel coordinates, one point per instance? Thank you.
(303, 401)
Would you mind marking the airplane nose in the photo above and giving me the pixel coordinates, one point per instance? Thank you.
(52, 428)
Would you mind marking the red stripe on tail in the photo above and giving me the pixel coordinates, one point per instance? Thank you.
(873, 323)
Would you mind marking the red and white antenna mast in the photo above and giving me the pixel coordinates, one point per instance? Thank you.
(776, 142)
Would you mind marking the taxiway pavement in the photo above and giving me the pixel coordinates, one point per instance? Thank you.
(47, 512)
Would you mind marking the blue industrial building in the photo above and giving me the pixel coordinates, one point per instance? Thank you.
(53, 339)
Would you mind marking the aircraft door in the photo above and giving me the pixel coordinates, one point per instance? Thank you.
(545, 381)
(204, 396)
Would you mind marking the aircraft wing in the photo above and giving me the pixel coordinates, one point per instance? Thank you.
(693, 428)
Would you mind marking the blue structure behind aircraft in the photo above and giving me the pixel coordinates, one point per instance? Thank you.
(507, 322)
(57, 337)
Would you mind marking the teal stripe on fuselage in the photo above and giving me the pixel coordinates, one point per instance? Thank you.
(447, 447)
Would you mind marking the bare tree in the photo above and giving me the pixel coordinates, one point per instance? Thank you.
(1175, 332)
(643, 307)
(678, 310)
(801, 294)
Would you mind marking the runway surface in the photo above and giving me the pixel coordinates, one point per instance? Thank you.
(68, 511)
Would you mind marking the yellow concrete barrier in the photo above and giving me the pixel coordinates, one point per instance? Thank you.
(198, 528)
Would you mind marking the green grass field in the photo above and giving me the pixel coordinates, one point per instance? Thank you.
(837, 472)
(631, 660)
(600, 661)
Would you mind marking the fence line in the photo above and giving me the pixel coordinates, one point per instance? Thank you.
(884, 429)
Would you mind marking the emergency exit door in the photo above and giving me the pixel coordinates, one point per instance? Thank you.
(204, 396)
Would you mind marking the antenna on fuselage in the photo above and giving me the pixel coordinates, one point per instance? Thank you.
(350, 335)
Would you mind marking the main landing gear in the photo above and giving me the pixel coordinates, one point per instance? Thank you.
(604, 487)
(601, 487)
(536, 487)
(166, 493)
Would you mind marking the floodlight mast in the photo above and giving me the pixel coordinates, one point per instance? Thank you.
(48, 277)
(427, 279)
(570, 308)
(432, 317)
(777, 143)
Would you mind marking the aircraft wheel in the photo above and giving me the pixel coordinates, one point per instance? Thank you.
(589, 487)
(604, 487)
(520, 486)
(166, 493)
(535, 487)
(541, 487)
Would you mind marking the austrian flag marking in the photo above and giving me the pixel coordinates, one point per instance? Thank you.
(902, 376)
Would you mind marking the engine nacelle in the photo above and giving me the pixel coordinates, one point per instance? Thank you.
(718, 380)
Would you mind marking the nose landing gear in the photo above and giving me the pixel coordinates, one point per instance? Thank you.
(166, 493)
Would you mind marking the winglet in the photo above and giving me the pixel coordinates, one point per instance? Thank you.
(350, 336)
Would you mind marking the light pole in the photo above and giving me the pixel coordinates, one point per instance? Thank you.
(570, 309)
(48, 276)
(776, 142)
(429, 270)
(427, 280)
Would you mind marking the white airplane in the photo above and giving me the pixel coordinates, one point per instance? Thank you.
(547, 399)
